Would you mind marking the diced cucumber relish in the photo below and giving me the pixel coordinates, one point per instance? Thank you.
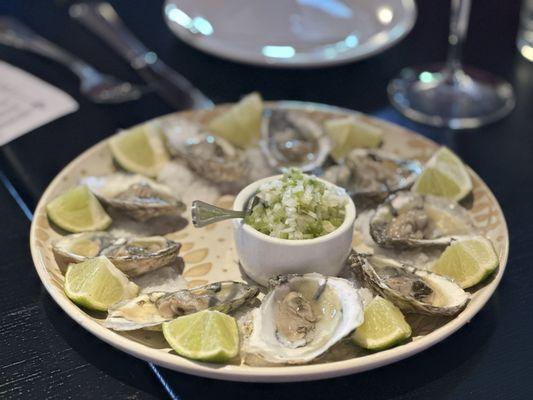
(298, 206)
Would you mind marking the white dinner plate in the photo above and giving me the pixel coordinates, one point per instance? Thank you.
(209, 256)
(291, 33)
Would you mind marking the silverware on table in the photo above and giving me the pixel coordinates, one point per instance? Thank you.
(102, 19)
(205, 214)
(96, 86)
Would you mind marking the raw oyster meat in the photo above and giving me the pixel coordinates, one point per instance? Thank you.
(302, 317)
(210, 156)
(411, 289)
(373, 174)
(134, 255)
(289, 138)
(152, 309)
(408, 220)
(135, 195)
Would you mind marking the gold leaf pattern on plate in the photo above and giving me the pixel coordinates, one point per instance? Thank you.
(42, 221)
(41, 234)
(186, 246)
(195, 256)
(198, 270)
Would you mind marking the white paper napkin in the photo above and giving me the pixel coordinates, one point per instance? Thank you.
(27, 102)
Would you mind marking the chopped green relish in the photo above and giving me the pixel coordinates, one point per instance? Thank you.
(298, 206)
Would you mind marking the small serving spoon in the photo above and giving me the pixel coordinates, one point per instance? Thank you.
(94, 85)
(205, 214)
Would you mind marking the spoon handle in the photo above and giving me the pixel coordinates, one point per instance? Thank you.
(204, 214)
(15, 34)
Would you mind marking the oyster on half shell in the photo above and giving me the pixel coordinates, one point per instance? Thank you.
(302, 317)
(135, 195)
(210, 156)
(289, 138)
(409, 220)
(134, 256)
(152, 309)
(373, 174)
(411, 289)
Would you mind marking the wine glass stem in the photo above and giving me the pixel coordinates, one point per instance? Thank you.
(460, 12)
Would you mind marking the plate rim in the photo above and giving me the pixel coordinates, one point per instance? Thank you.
(358, 53)
(275, 374)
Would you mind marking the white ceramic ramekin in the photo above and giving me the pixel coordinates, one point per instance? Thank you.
(263, 257)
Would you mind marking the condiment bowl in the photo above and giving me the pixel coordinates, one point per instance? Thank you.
(263, 257)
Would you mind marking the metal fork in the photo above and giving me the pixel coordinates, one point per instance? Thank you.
(94, 85)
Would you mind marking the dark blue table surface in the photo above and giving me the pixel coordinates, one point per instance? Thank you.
(44, 354)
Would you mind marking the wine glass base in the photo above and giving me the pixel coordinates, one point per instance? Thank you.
(465, 99)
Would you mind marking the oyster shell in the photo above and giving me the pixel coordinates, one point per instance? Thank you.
(210, 156)
(291, 139)
(137, 196)
(302, 317)
(411, 289)
(137, 313)
(152, 309)
(408, 220)
(134, 256)
(373, 174)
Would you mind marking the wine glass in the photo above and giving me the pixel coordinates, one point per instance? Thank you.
(450, 95)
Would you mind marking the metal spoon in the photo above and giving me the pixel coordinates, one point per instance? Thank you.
(205, 214)
(94, 85)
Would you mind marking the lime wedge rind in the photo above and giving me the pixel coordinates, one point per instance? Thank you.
(348, 133)
(444, 175)
(97, 284)
(241, 123)
(140, 149)
(78, 210)
(204, 336)
(468, 262)
(384, 326)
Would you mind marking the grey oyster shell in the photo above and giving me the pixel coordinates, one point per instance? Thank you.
(139, 197)
(289, 138)
(410, 289)
(134, 256)
(210, 156)
(152, 309)
(410, 220)
(372, 175)
(302, 316)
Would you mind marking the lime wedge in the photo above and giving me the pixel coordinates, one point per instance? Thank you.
(384, 326)
(140, 149)
(444, 175)
(348, 133)
(468, 261)
(78, 210)
(241, 124)
(206, 336)
(97, 284)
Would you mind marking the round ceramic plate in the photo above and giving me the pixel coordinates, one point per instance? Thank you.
(209, 256)
(291, 33)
